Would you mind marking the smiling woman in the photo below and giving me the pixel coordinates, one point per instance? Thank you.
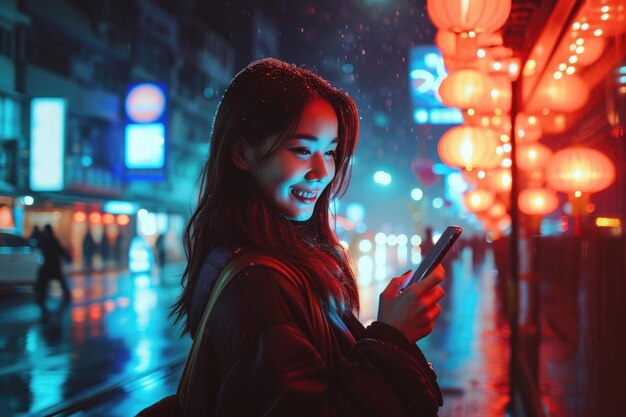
(293, 177)
(281, 343)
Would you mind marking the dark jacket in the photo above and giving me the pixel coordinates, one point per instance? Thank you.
(260, 356)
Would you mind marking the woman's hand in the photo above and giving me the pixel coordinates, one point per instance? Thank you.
(414, 310)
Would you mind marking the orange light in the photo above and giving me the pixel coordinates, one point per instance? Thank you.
(565, 94)
(123, 219)
(469, 147)
(79, 216)
(95, 311)
(500, 180)
(529, 125)
(537, 201)
(109, 305)
(108, 218)
(95, 217)
(463, 88)
(497, 211)
(462, 16)
(533, 156)
(580, 169)
(478, 200)
(79, 314)
(608, 222)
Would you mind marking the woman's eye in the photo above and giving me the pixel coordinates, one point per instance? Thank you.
(300, 151)
(331, 153)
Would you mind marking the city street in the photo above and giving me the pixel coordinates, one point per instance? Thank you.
(114, 351)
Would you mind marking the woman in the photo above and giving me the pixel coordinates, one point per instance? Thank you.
(279, 152)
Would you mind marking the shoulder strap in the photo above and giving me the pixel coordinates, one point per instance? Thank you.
(232, 268)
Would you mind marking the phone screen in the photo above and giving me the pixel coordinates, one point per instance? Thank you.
(431, 260)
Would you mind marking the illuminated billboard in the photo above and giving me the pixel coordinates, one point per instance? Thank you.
(426, 71)
(145, 137)
(47, 143)
(145, 146)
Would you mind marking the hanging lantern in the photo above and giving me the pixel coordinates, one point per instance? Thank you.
(465, 16)
(469, 147)
(537, 201)
(500, 180)
(497, 98)
(566, 94)
(554, 123)
(533, 156)
(463, 88)
(478, 200)
(527, 128)
(447, 41)
(579, 169)
(497, 211)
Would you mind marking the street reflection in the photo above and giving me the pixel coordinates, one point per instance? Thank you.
(118, 334)
(117, 329)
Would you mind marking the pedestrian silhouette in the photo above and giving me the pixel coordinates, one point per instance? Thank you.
(89, 247)
(53, 253)
(35, 236)
(105, 248)
(160, 249)
(120, 250)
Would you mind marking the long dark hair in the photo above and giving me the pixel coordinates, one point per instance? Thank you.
(266, 98)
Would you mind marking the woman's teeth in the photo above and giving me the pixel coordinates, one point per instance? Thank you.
(303, 194)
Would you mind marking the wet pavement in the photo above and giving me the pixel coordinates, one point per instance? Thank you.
(113, 350)
(115, 334)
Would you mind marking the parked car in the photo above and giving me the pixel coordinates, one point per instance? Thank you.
(19, 260)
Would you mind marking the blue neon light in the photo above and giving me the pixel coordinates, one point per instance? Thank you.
(145, 146)
(47, 143)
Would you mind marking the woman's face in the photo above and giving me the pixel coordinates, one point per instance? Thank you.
(293, 178)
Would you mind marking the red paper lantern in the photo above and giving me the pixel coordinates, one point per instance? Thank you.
(462, 16)
(566, 94)
(499, 180)
(537, 201)
(469, 147)
(497, 98)
(528, 128)
(448, 41)
(580, 169)
(532, 156)
(463, 88)
(478, 200)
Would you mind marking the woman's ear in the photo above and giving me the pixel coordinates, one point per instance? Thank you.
(242, 153)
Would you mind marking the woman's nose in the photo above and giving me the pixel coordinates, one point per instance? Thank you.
(318, 170)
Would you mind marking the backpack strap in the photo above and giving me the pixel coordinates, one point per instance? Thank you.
(319, 324)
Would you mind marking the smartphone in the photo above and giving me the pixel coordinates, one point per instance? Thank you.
(430, 261)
